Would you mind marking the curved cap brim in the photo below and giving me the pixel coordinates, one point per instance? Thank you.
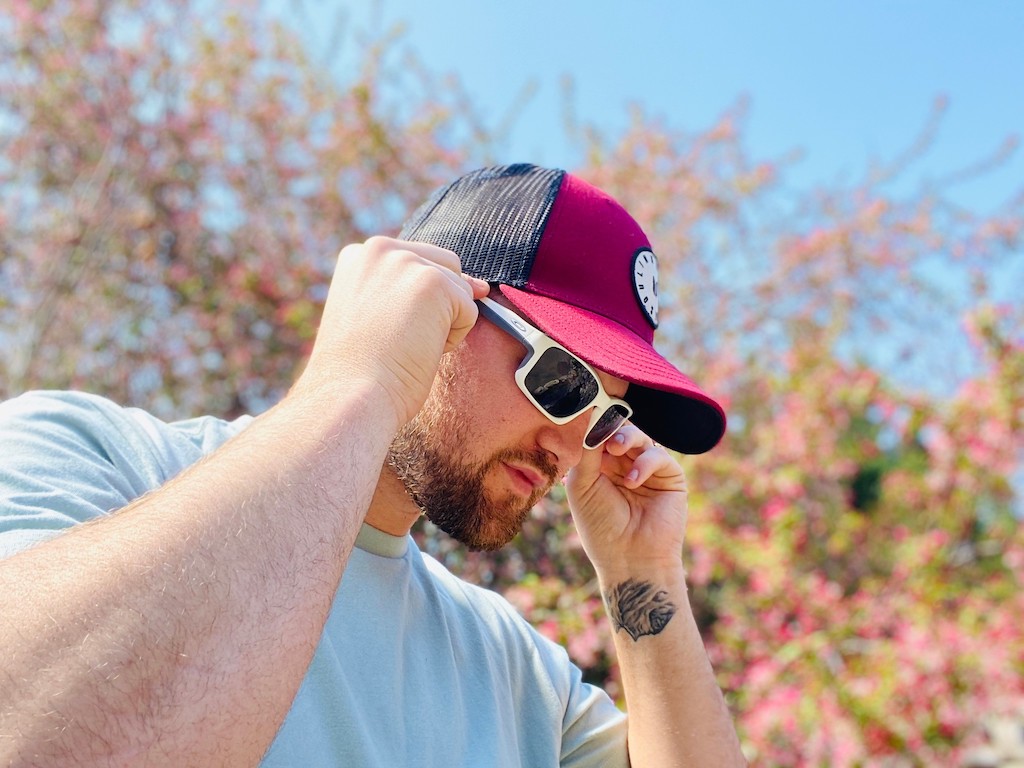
(667, 405)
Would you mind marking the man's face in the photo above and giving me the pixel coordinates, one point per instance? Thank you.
(460, 493)
(478, 456)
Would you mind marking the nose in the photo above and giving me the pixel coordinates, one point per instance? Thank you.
(565, 441)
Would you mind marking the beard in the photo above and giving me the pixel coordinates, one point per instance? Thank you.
(453, 494)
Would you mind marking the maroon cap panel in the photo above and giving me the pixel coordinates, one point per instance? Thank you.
(585, 256)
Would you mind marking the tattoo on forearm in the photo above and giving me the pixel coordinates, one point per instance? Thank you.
(639, 608)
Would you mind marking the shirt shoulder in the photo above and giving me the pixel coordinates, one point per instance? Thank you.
(67, 457)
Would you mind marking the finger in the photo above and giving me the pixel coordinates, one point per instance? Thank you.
(474, 287)
(460, 281)
(449, 260)
(587, 470)
(479, 287)
(465, 312)
(628, 439)
(652, 466)
(435, 253)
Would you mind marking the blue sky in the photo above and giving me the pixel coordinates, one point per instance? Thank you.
(843, 82)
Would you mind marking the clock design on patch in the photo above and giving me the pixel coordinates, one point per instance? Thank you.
(645, 283)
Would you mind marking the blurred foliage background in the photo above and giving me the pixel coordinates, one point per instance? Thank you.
(170, 210)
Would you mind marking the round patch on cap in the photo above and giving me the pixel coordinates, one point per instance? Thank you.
(645, 283)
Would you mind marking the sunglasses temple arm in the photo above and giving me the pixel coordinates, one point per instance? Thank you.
(492, 312)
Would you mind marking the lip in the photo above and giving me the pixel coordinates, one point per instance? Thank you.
(524, 478)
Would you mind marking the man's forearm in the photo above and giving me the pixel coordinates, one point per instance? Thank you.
(178, 630)
(677, 715)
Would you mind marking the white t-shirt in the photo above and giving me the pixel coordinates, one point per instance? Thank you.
(415, 667)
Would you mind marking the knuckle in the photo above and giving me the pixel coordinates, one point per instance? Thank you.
(449, 259)
(373, 247)
(349, 249)
(380, 242)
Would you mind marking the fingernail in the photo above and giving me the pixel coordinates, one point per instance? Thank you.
(633, 475)
(619, 438)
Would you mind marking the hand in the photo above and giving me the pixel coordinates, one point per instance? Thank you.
(632, 528)
(629, 502)
(392, 310)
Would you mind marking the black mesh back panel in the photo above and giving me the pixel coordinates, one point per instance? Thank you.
(492, 218)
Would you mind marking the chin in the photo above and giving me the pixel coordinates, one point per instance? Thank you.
(485, 545)
(487, 527)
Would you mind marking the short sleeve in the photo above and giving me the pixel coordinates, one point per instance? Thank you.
(594, 729)
(68, 457)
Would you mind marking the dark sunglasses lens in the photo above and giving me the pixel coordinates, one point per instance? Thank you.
(560, 384)
(606, 426)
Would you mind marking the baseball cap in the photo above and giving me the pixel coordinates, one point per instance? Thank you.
(580, 268)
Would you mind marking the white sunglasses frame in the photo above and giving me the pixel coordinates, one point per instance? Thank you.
(537, 343)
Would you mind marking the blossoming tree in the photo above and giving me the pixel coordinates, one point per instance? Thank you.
(170, 207)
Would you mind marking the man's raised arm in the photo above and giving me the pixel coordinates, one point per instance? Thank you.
(177, 630)
(632, 528)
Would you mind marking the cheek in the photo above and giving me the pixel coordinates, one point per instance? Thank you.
(480, 387)
(495, 412)
(497, 409)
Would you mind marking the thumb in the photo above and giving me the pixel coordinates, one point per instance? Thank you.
(587, 472)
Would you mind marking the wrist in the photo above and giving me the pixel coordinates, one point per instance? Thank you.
(668, 570)
(332, 401)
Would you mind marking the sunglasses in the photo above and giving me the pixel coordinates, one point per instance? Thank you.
(557, 382)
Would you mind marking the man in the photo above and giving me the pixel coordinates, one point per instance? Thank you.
(202, 622)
